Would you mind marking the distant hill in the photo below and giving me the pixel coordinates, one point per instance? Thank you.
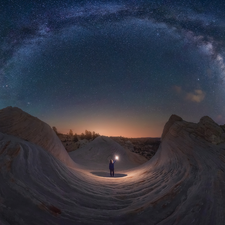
(146, 147)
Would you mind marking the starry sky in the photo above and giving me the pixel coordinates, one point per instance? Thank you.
(113, 67)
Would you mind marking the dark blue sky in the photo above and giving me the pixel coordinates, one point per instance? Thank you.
(115, 67)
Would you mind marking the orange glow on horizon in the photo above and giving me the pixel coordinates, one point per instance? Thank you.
(127, 124)
(115, 131)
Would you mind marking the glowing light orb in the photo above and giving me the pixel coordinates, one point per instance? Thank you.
(116, 157)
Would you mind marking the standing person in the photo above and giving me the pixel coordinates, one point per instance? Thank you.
(111, 167)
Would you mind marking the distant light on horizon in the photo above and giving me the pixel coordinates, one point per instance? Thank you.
(114, 130)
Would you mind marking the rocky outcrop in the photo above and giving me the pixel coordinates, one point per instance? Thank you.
(171, 121)
(210, 130)
(14, 121)
(206, 129)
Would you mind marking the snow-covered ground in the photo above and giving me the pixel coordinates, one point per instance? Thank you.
(184, 183)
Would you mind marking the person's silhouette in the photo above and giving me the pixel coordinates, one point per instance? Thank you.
(111, 167)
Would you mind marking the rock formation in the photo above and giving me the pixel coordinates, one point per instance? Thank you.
(96, 155)
(182, 184)
(14, 121)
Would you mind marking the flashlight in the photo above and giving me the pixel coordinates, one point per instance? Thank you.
(116, 157)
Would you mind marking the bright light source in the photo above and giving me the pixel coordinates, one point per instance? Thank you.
(116, 157)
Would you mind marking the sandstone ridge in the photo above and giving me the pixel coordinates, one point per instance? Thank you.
(16, 122)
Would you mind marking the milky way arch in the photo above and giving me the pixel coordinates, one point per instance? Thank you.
(113, 56)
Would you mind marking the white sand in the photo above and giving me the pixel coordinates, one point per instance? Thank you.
(184, 183)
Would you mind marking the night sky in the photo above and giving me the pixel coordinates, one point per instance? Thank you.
(113, 67)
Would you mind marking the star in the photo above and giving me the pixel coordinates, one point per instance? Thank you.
(113, 64)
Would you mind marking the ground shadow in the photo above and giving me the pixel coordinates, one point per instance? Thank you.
(105, 174)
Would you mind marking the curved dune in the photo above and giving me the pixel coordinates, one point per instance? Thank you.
(182, 184)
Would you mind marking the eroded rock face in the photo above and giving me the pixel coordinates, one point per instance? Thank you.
(182, 184)
(173, 118)
(210, 130)
(206, 129)
(14, 121)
